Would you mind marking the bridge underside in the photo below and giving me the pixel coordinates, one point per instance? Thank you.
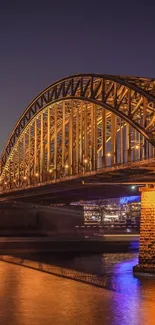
(114, 183)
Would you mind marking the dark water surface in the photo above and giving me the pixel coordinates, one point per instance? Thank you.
(32, 297)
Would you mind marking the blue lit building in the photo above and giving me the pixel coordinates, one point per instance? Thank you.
(115, 215)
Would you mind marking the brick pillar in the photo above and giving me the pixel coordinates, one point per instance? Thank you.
(147, 231)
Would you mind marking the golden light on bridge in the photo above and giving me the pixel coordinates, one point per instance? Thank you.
(147, 231)
(75, 134)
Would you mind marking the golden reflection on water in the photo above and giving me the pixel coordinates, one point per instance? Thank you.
(32, 297)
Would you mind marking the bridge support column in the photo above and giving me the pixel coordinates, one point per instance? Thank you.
(147, 232)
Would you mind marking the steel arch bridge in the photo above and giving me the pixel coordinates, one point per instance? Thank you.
(79, 125)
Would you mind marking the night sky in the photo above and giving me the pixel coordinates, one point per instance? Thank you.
(42, 41)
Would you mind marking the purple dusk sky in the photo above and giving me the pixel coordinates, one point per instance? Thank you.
(42, 41)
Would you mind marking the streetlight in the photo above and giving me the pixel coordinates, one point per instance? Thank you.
(133, 187)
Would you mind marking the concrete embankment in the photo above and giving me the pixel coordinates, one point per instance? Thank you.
(89, 278)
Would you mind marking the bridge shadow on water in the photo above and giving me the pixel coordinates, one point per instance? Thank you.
(109, 271)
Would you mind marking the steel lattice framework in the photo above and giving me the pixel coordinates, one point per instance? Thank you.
(80, 124)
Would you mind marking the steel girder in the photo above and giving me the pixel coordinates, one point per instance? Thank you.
(130, 99)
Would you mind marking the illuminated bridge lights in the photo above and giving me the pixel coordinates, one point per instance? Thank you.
(80, 124)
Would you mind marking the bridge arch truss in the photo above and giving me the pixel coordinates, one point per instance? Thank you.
(80, 124)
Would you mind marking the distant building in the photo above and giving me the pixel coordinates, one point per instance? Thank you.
(115, 215)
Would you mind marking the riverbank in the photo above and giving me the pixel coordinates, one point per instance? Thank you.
(93, 279)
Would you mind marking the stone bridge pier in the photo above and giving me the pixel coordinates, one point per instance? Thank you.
(147, 232)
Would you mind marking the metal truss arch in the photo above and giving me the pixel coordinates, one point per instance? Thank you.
(121, 103)
(100, 89)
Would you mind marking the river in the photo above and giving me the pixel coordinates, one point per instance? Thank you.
(29, 296)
